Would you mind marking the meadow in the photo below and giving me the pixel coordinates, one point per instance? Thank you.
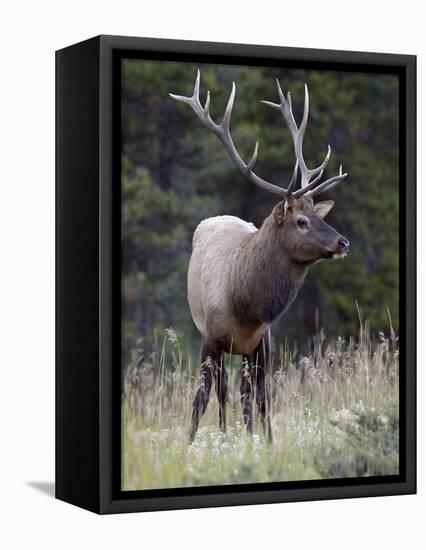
(335, 414)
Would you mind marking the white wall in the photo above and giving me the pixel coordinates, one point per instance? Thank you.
(29, 34)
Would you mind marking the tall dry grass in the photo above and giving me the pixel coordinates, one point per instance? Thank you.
(334, 414)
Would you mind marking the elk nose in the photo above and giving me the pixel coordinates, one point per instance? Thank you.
(343, 244)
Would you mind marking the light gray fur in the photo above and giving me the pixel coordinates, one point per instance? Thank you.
(216, 245)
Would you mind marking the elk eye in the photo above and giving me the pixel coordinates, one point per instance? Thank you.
(302, 222)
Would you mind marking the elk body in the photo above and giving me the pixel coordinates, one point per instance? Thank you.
(240, 278)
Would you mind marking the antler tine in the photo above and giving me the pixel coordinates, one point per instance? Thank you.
(304, 122)
(196, 93)
(253, 159)
(206, 106)
(293, 177)
(293, 122)
(222, 131)
(280, 92)
(228, 111)
(328, 184)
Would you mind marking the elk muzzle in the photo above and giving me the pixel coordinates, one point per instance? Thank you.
(340, 250)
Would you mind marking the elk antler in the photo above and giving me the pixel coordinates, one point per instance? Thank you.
(222, 131)
(308, 185)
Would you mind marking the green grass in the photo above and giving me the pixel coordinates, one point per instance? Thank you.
(334, 414)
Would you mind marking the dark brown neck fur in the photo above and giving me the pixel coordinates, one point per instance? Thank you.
(265, 280)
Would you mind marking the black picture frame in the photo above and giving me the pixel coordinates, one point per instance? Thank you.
(88, 379)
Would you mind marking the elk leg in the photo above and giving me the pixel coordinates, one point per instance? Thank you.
(221, 386)
(201, 399)
(246, 392)
(262, 357)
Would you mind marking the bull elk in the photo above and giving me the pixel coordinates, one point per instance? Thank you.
(240, 278)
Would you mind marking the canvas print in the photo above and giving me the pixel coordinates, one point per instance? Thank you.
(259, 274)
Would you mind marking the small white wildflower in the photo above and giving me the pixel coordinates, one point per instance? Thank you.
(382, 419)
(171, 335)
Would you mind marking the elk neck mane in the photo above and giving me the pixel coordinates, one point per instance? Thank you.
(265, 280)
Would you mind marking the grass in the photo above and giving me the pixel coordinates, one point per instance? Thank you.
(335, 414)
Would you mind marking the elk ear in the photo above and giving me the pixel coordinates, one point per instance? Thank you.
(279, 212)
(321, 209)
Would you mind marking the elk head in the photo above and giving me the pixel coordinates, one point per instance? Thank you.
(299, 222)
(301, 230)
